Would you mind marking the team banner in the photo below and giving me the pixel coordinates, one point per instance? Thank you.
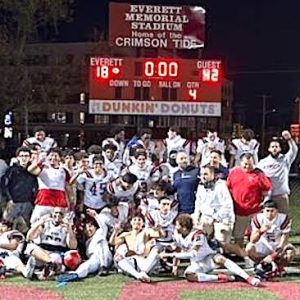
(156, 26)
(166, 108)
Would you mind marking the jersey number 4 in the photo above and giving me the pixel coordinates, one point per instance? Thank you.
(101, 189)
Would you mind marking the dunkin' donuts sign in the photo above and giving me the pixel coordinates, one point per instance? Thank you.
(156, 26)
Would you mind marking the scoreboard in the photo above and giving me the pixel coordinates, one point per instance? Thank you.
(156, 82)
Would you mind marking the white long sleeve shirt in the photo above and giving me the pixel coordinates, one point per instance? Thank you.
(277, 169)
(215, 202)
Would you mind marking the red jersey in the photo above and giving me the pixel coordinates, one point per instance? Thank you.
(247, 190)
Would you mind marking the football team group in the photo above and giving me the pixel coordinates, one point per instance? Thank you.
(142, 207)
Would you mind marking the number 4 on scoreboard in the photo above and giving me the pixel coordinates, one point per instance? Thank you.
(193, 94)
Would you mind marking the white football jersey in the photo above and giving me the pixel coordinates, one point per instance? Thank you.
(106, 220)
(6, 237)
(46, 145)
(178, 143)
(194, 238)
(149, 204)
(238, 148)
(166, 222)
(123, 196)
(53, 178)
(94, 188)
(97, 240)
(204, 143)
(54, 236)
(120, 146)
(114, 166)
(145, 175)
(279, 226)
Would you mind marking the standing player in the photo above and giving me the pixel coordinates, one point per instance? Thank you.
(40, 138)
(94, 182)
(117, 139)
(192, 244)
(246, 144)
(174, 142)
(169, 168)
(210, 141)
(215, 160)
(277, 167)
(215, 205)
(112, 162)
(143, 141)
(53, 183)
(269, 237)
(124, 188)
(146, 173)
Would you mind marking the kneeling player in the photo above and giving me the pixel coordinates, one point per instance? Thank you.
(193, 245)
(269, 241)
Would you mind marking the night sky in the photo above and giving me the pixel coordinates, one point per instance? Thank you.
(250, 36)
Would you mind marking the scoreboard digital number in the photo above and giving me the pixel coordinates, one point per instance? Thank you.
(155, 79)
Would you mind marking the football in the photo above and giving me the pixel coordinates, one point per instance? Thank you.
(72, 259)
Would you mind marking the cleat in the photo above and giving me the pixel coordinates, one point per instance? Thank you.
(67, 277)
(30, 267)
(249, 263)
(45, 273)
(143, 277)
(103, 271)
(225, 278)
(254, 281)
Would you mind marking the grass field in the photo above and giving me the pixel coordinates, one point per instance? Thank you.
(91, 288)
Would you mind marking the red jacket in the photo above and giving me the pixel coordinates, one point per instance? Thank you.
(247, 190)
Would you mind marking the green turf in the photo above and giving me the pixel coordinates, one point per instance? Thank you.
(295, 215)
(228, 295)
(94, 288)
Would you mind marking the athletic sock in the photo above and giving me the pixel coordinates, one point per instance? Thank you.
(202, 277)
(126, 266)
(235, 269)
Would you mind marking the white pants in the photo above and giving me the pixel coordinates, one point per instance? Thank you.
(11, 261)
(102, 257)
(144, 264)
(206, 265)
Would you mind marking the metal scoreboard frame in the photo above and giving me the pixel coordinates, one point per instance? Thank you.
(155, 86)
